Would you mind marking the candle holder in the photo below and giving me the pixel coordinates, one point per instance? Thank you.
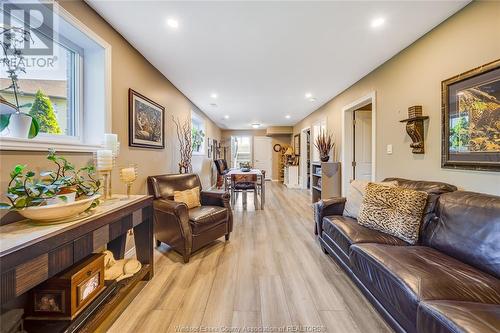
(128, 174)
(104, 161)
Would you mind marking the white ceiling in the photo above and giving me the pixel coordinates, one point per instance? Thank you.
(262, 57)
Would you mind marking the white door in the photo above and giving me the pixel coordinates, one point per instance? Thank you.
(363, 145)
(262, 155)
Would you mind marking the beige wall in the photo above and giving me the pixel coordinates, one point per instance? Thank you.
(129, 70)
(281, 139)
(413, 77)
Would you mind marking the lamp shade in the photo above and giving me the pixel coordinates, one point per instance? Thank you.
(289, 151)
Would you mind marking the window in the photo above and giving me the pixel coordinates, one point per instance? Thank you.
(241, 150)
(197, 134)
(67, 91)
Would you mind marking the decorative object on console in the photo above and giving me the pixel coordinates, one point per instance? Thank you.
(415, 128)
(117, 270)
(146, 122)
(17, 123)
(104, 165)
(56, 195)
(183, 130)
(324, 143)
(296, 144)
(65, 295)
(128, 175)
(471, 119)
(395, 211)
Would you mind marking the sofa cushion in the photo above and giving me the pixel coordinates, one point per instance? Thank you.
(401, 276)
(206, 217)
(355, 193)
(346, 231)
(457, 317)
(468, 229)
(433, 189)
(394, 210)
(191, 197)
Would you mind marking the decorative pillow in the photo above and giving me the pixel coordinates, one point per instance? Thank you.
(355, 194)
(190, 197)
(393, 210)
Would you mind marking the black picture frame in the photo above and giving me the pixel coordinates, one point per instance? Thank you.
(296, 144)
(146, 122)
(470, 119)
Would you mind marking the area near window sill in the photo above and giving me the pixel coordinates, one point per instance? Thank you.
(7, 143)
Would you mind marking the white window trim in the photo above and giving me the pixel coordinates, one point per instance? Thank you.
(41, 143)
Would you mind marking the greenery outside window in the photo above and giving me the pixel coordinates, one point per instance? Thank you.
(197, 134)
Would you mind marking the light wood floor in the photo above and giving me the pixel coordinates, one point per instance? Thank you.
(272, 273)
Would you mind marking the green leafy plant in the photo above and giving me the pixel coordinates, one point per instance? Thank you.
(43, 111)
(12, 38)
(25, 190)
(197, 136)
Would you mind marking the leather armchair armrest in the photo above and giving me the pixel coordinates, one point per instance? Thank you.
(326, 207)
(170, 212)
(222, 199)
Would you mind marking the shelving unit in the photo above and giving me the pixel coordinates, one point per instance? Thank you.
(325, 180)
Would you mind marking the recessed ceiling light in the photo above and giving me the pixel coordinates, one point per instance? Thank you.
(226, 117)
(308, 95)
(287, 116)
(255, 125)
(378, 22)
(172, 23)
(214, 95)
(213, 105)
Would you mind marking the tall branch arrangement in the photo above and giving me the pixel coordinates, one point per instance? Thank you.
(184, 135)
(325, 143)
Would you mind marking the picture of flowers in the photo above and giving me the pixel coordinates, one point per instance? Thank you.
(471, 119)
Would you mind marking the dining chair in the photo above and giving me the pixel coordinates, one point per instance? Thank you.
(244, 183)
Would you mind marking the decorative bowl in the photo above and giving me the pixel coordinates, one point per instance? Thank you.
(58, 212)
(245, 169)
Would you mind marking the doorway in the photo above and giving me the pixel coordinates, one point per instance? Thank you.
(305, 158)
(358, 150)
(262, 155)
(362, 147)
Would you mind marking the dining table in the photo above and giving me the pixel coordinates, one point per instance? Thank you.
(261, 181)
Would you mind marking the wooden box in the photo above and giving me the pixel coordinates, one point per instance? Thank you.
(65, 295)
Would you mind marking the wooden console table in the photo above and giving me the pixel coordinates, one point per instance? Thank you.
(30, 253)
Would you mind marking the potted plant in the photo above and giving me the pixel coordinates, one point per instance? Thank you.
(324, 143)
(20, 124)
(53, 188)
(184, 136)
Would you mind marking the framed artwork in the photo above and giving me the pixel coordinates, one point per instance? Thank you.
(146, 122)
(214, 149)
(296, 144)
(471, 119)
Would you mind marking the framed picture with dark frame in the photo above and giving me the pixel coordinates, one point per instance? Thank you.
(146, 122)
(296, 144)
(471, 119)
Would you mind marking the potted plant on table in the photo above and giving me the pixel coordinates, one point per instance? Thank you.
(20, 124)
(325, 144)
(59, 188)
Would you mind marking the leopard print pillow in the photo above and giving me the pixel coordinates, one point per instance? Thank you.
(393, 210)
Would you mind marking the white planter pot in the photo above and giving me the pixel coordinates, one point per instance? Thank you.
(19, 125)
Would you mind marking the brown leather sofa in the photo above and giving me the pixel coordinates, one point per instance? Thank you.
(448, 282)
(187, 230)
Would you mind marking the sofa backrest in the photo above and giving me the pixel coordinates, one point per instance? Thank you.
(163, 186)
(467, 227)
(433, 189)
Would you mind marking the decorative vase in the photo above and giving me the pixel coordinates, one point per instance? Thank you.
(324, 158)
(19, 125)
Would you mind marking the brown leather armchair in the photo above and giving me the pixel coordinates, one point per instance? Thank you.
(187, 230)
